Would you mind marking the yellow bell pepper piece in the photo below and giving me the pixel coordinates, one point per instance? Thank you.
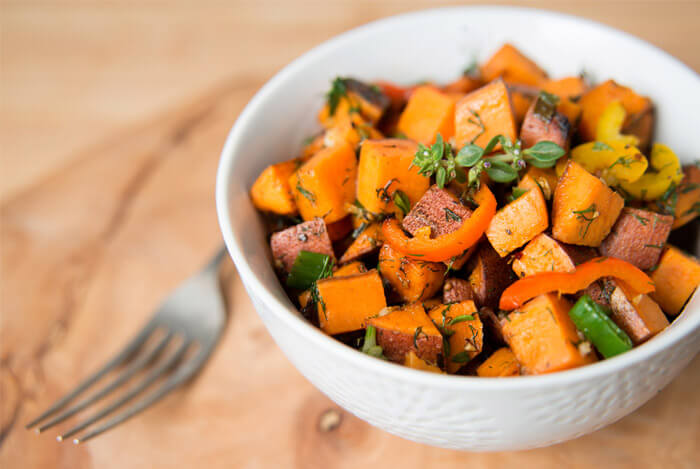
(653, 185)
(612, 160)
(610, 123)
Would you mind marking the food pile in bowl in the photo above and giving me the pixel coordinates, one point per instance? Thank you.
(503, 224)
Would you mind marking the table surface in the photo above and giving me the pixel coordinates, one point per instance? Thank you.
(112, 116)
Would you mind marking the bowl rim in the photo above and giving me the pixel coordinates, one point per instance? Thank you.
(287, 313)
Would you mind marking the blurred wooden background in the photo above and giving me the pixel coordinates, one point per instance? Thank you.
(112, 116)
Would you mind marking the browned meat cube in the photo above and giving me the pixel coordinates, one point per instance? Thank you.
(638, 237)
(490, 275)
(543, 122)
(455, 290)
(439, 209)
(308, 236)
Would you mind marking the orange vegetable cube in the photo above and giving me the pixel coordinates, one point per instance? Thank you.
(413, 361)
(501, 363)
(483, 114)
(429, 112)
(543, 337)
(325, 183)
(271, 191)
(638, 315)
(466, 332)
(520, 220)
(566, 88)
(584, 209)
(413, 279)
(367, 241)
(346, 303)
(676, 278)
(408, 329)
(546, 179)
(384, 169)
(688, 197)
(545, 254)
(513, 66)
(352, 268)
(521, 103)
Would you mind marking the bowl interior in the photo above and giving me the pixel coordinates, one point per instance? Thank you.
(435, 45)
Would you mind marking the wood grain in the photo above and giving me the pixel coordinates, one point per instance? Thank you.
(107, 204)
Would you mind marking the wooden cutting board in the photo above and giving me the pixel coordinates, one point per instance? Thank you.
(93, 241)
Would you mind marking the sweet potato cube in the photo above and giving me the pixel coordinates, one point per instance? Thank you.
(538, 127)
(688, 203)
(369, 240)
(638, 315)
(546, 254)
(543, 337)
(324, 184)
(359, 98)
(464, 84)
(483, 114)
(271, 191)
(429, 112)
(676, 278)
(346, 303)
(490, 275)
(339, 229)
(566, 88)
(638, 236)
(413, 361)
(521, 99)
(408, 329)
(513, 66)
(640, 112)
(439, 210)
(308, 236)
(466, 332)
(501, 363)
(584, 208)
(352, 268)
(413, 279)
(520, 220)
(572, 111)
(546, 179)
(385, 167)
(455, 290)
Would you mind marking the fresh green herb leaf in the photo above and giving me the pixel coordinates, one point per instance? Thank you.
(461, 318)
(545, 152)
(587, 216)
(655, 246)
(472, 70)
(369, 346)
(469, 155)
(641, 220)
(517, 192)
(308, 194)
(441, 177)
(450, 215)
(416, 335)
(337, 91)
(602, 146)
(401, 201)
(546, 106)
(461, 357)
(476, 120)
(499, 171)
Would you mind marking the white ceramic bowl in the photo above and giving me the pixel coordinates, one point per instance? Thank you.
(458, 412)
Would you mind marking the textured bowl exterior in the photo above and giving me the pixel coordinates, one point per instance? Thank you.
(457, 412)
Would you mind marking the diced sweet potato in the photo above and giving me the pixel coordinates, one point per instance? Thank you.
(384, 168)
(369, 240)
(584, 209)
(429, 112)
(351, 130)
(521, 101)
(566, 88)
(324, 184)
(308, 236)
(490, 275)
(413, 280)
(438, 209)
(413, 361)
(483, 114)
(347, 302)
(311, 148)
(455, 290)
(543, 337)
(464, 84)
(520, 220)
(688, 204)
(339, 229)
(546, 179)
(462, 324)
(640, 112)
(271, 191)
(546, 254)
(359, 97)
(676, 278)
(601, 291)
(540, 125)
(408, 329)
(352, 268)
(457, 262)
(638, 237)
(572, 111)
(638, 315)
(513, 66)
(501, 363)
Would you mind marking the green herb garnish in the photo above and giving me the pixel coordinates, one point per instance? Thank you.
(370, 346)
(546, 106)
(337, 91)
(587, 216)
(518, 192)
(450, 215)
(419, 331)
(309, 267)
(308, 194)
(401, 201)
(602, 146)
(461, 357)
(461, 318)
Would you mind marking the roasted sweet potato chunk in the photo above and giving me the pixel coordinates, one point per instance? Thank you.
(408, 329)
(688, 203)
(347, 302)
(566, 88)
(308, 236)
(584, 209)
(520, 220)
(271, 191)
(384, 168)
(544, 123)
(546, 179)
(369, 240)
(490, 275)
(638, 237)
(514, 67)
(414, 361)
(352, 268)
(413, 280)
(521, 98)
(483, 114)
(358, 97)
(638, 315)
(462, 327)
(455, 290)
(676, 278)
(546, 254)
(543, 337)
(501, 363)
(429, 112)
(439, 210)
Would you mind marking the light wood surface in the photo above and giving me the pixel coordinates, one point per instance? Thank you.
(112, 116)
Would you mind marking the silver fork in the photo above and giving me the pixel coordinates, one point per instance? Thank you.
(188, 325)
